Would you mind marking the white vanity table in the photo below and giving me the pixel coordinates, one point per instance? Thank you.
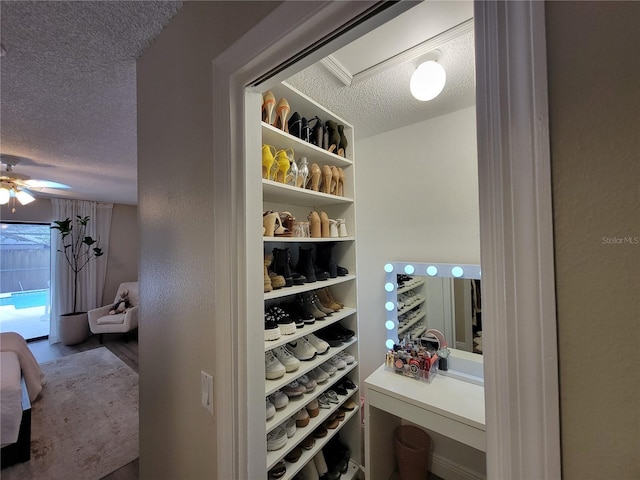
(448, 406)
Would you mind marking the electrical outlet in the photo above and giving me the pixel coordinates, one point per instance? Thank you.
(206, 381)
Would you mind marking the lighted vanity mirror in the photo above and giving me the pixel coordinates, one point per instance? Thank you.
(441, 296)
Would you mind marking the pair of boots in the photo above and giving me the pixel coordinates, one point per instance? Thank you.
(272, 281)
(317, 469)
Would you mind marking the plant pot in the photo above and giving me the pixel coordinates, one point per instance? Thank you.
(74, 328)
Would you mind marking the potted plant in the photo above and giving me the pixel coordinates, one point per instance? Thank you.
(78, 249)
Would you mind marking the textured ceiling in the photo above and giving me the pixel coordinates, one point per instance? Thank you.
(68, 90)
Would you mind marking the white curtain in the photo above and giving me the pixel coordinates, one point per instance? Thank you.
(91, 279)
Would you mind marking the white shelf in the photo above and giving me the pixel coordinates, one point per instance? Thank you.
(305, 366)
(297, 403)
(282, 140)
(307, 287)
(410, 287)
(282, 193)
(411, 307)
(414, 321)
(318, 325)
(275, 456)
(306, 239)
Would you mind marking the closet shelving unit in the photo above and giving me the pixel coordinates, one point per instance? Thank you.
(299, 202)
(416, 285)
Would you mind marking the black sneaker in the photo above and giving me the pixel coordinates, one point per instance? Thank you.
(329, 335)
(286, 324)
(341, 330)
(271, 329)
(301, 317)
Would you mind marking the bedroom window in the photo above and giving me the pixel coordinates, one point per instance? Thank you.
(25, 276)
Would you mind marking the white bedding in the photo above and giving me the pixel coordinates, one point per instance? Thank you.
(10, 398)
(33, 376)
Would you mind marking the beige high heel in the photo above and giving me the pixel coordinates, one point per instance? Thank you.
(268, 104)
(314, 225)
(326, 179)
(314, 177)
(324, 225)
(273, 225)
(282, 112)
(335, 176)
(340, 185)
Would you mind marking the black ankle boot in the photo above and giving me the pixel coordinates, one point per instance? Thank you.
(325, 260)
(305, 265)
(298, 278)
(280, 265)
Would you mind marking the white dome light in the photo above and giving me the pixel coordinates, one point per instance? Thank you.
(5, 195)
(428, 81)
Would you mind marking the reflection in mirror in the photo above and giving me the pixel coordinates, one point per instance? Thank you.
(446, 297)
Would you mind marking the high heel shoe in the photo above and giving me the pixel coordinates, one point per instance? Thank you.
(334, 135)
(326, 179)
(282, 112)
(273, 225)
(342, 227)
(317, 132)
(335, 177)
(342, 146)
(283, 166)
(324, 225)
(268, 104)
(295, 125)
(333, 229)
(314, 225)
(303, 173)
(340, 186)
(314, 177)
(268, 160)
(292, 176)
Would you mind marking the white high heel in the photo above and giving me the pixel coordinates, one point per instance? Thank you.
(333, 228)
(342, 227)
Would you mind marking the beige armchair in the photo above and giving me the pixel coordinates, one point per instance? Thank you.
(100, 322)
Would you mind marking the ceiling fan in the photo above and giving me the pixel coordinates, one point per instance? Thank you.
(17, 186)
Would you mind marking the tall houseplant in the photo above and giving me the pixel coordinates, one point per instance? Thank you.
(78, 249)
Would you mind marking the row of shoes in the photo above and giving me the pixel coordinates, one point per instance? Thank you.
(409, 300)
(326, 135)
(319, 225)
(286, 358)
(279, 271)
(328, 464)
(407, 281)
(281, 166)
(406, 318)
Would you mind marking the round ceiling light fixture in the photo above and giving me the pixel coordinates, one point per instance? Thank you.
(429, 79)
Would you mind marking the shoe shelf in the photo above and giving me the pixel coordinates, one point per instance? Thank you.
(411, 286)
(274, 456)
(406, 308)
(307, 455)
(413, 322)
(277, 192)
(298, 403)
(281, 140)
(306, 239)
(307, 287)
(305, 366)
(318, 325)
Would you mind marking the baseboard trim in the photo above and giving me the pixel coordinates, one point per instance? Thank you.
(450, 470)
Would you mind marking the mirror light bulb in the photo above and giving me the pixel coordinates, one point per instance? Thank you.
(389, 287)
(390, 325)
(428, 81)
(4, 196)
(409, 269)
(388, 268)
(432, 271)
(390, 343)
(390, 306)
(457, 272)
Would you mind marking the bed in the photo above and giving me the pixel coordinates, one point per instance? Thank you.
(21, 382)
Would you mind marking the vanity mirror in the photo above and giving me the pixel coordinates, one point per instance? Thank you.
(442, 296)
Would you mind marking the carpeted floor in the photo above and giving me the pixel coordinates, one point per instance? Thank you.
(85, 424)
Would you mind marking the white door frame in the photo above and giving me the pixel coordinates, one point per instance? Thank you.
(521, 380)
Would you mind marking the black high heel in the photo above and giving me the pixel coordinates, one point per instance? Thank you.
(334, 136)
(342, 145)
(306, 131)
(317, 132)
(295, 125)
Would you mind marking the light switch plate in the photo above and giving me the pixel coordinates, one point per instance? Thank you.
(206, 381)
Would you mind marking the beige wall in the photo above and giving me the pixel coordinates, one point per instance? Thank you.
(594, 93)
(176, 336)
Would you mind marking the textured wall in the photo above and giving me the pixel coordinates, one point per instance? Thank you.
(594, 94)
(123, 250)
(177, 436)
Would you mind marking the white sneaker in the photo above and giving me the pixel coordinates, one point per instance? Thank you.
(337, 362)
(279, 399)
(302, 349)
(320, 345)
(347, 357)
(273, 367)
(291, 363)
(290, 427)
(276, 439)
(307, 382)
(328, 369)
(271, 410)
(319, 375)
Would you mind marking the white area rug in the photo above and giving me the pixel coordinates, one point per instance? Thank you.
(85, 424)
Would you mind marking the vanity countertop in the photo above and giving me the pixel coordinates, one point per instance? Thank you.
(452, 398)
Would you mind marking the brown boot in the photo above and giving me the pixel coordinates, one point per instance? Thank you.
(325, 301)
(277, 281)
(267, 280)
